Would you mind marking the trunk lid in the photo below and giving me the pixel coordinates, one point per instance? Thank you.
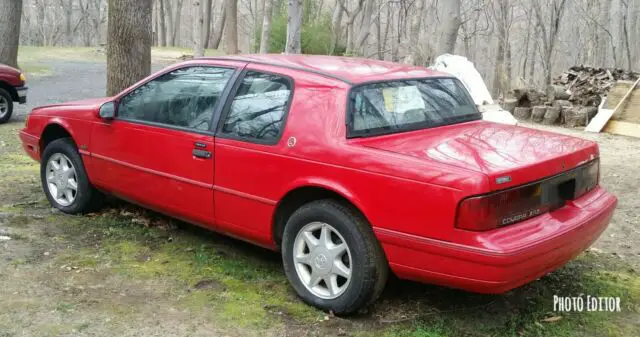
(508, 155)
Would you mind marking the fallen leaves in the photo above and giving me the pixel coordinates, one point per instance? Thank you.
(552, 319)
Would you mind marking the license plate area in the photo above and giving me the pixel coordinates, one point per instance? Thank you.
(556, 191)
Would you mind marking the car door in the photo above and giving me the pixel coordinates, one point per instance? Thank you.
(249, 153)
(158, 151)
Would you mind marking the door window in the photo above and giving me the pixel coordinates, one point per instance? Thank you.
(184, 98)
(259, 108)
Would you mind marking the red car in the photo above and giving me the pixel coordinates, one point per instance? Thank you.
(12, 89)
(349, 167)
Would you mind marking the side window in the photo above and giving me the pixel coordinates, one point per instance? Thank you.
(185, 97)
(259, 107)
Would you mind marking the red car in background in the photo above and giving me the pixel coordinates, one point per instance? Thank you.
(12, 89)
(351, 168)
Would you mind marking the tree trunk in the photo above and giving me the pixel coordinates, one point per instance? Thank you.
(231, 29)
(217, 33)
(365, 27)
(162, 22)
(208, 7)
(68, 15)
(294, 25)
(336, 27)
(534, 54)
(266, 26)
(498, 79)
(198, 45)
(177, 21)
(450, 24)
(625, 32)
(129, 43)
(605, 20)
(10, 31)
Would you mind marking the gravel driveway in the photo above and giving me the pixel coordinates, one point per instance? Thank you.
(70, 80)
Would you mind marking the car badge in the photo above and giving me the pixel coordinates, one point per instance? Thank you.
(502, 180)
(291, 142)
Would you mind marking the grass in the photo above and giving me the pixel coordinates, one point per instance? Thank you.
(238, 285)
(243, 284)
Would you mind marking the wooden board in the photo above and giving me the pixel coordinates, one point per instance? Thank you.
(600, 120)
(630, 110)
(623, 128)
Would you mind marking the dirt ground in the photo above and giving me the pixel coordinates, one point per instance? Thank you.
(125, 271)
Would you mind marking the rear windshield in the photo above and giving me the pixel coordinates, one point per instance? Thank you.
(398, 106)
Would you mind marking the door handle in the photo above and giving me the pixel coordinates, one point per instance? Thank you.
(201, 153)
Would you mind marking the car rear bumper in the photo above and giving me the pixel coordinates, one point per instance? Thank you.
(22, 94)
(505, 258)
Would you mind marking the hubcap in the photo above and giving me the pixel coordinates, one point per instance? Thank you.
(61, 179)
(322, 260)
(4, 106)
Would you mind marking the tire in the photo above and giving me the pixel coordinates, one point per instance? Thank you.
(368, 266)
(86, 198)
(6, 104)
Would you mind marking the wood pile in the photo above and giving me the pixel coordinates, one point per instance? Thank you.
(586, 85)
(576, 95)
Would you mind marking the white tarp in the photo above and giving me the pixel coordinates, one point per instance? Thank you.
(464, 70)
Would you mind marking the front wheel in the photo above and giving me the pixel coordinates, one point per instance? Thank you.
(64, 179)
(332, 258)
(6, 106)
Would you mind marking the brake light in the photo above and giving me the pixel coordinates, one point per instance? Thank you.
(510, 206)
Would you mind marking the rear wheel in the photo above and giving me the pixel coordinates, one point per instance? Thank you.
(65, 180)
(6, 106)
(332, 258)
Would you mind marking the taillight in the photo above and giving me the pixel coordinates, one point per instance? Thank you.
(588, 178)
(500, 209)
(503, 208)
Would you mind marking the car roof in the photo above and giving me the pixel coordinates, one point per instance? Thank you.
(351, 70)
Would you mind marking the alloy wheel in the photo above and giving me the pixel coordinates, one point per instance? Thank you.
(322, 260)
(62, 180)
(4, 106)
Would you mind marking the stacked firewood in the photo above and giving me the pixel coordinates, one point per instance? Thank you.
(586, 85)
(577, 93)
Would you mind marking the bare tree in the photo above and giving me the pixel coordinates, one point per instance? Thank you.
(10, 31)
(549, 25)
(364, 25)
(199, 34)
(162, 24)
(206, 30)
(450, 21)
(174, 14)
(129, 43)
(502, 12)
(266, 26)
(624, 8)
(218, 30)
(336, 26)
(351, 18)
(294, 26)
(231, 27)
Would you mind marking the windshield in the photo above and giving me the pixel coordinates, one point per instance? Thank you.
(398, 106)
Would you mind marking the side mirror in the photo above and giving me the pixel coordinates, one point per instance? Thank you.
(108, 110)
